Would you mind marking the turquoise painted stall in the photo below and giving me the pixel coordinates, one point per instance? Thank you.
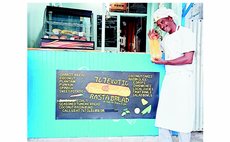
(42, 66)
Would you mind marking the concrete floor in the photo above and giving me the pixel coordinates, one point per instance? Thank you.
(196, 137)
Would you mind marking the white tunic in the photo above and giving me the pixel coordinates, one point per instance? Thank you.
(176, 107)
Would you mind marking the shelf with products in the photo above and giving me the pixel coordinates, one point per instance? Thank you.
(65, 24)
(65, 34)
(67, 28)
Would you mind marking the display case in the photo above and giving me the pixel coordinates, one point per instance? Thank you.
(67, 28)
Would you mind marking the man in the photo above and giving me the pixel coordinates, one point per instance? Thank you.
(176, 107)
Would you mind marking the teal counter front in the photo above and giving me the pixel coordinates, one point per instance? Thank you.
(42, 67)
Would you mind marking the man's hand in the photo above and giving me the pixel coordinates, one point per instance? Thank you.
(158, 61)
(186, 58)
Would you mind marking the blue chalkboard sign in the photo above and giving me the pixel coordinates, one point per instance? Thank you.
(83, 94)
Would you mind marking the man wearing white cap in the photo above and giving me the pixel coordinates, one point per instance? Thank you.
(176, 107)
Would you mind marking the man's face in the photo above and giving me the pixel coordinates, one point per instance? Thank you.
(166, 24)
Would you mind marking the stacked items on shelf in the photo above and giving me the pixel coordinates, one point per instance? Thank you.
(66, 34)
(67, 28)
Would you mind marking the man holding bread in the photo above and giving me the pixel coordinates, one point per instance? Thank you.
(176, 107)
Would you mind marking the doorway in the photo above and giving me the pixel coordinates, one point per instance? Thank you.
(133, 34)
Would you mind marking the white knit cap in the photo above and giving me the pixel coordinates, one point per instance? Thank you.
(163, 12)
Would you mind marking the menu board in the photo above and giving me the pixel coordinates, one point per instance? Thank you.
(110, 31)
(82, 94)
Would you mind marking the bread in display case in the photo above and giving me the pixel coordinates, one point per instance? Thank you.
(67, 28)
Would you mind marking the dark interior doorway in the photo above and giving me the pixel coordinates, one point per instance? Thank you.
(133, 34)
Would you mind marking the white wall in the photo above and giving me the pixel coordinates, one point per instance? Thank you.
(35, 13)
(96, 8)
(177, 8)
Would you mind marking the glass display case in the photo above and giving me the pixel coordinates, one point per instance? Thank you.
(67, 28)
